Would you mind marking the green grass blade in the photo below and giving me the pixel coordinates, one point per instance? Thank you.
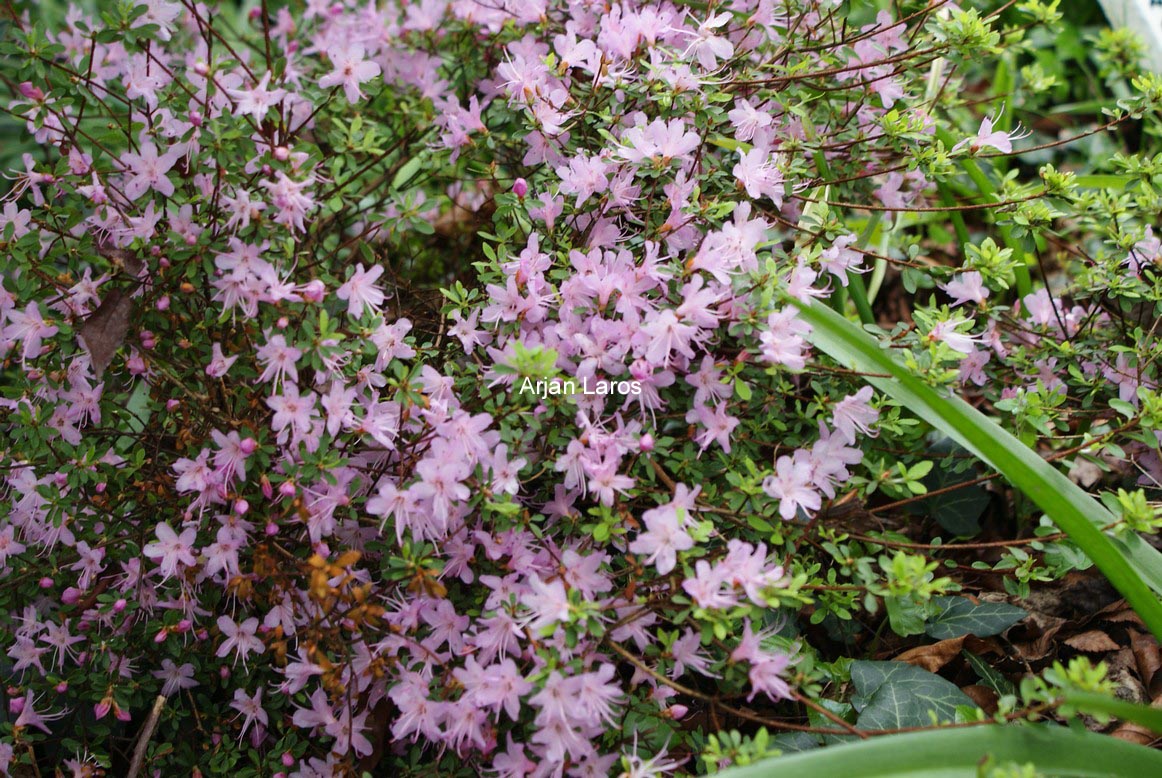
(1130, 564)
(1057, 752)
(1123, 710)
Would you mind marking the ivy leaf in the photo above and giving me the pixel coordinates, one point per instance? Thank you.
(958, 616)
(894, 695)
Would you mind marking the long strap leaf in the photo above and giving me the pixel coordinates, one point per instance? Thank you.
(1130, 564)
(959, 753)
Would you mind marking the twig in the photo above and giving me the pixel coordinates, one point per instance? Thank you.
(146, 736)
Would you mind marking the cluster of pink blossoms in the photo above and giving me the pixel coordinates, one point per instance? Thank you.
(514, 550)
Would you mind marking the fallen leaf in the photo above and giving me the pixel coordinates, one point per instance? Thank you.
(1148, 656)
(105, 329)
(983, 696)
(934, 656)
(1092, 642)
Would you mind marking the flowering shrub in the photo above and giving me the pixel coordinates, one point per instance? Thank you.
(422, 384)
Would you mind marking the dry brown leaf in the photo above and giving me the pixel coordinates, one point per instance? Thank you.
(1033, 638)
(105, 329)
(1134, 733)
(933, 657)
(983, 696)
(1148, 657)
(1092, 642)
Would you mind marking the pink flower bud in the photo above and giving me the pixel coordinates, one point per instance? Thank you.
(271, 529)
(71, 595)
(61, 687)
(267, 490)
(122, 715)
(16, 705)
(223, 672)
(313, 291)
(120, 605)
(171, 405)
(281, 153)
(287, 489)
(520, 188)
(195, 118)
(241, 506)
(282, 322)
(646, 443)
(161, 635)
(201, 68)
(30, 92)
(184, 626)
(288, 759)
(47, 583)
(164, 262)
(248, 446)
(163, 303)
(100, 487)
(102, 708)
(676, 712)
(61, 479)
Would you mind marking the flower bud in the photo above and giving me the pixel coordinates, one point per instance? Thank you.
(288, 759)
(71, 596)
(120, 605)
(520, 188)
(646, 442)
(313, 291)
(241, 506)
(172, 405)
(287, 489)
(46, 583)
(30, 92)
(248, 446)
(281, 153)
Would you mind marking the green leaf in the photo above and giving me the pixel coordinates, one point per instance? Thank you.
(958, 511)
(991, 678)
(961, 616)
(894, 695)
(1091, 702)
(1130, 564)
(1057, 752)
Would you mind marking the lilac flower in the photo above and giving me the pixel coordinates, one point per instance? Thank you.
(257, 101)
(351, 70)
(176, 677)
(360, 291)
(792, 486)
(250, 707)
(241, 638)
(854, 413)
(967, 287)
(172, 549)
(146, 170)
(988, 137)
(662, 541)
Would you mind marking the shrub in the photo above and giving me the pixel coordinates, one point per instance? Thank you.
(419, 384)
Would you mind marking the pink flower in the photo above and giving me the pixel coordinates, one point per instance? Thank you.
(146, 170)
(708, 47)
(351, 70)
(241, 639)
(360, 291)
(219, 364)
(967, 287)
(854, 413)
(172, 549)
(759, 176)
(989, 137)
(662, 540)
(791, 485)
(251, 708)
(257, 101)
(548, 603)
